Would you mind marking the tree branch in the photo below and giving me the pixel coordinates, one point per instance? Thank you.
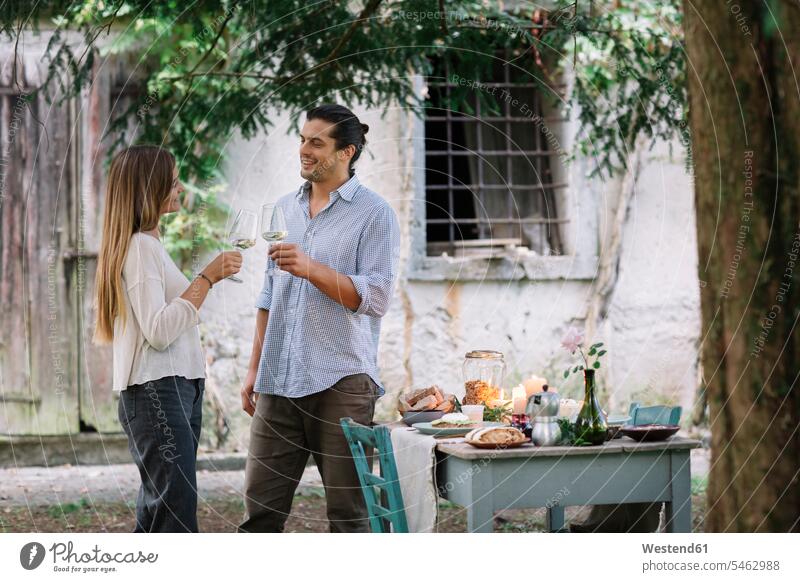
(368, 10)
(100, 28)
(220, 74)
(213, 43)
(203, 58)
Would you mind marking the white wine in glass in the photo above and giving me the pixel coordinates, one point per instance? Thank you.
(243, 234)
(244, 243)
(273, 230)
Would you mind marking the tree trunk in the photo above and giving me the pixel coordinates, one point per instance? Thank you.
(744, 110)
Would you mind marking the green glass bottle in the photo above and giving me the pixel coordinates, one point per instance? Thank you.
(591, 425)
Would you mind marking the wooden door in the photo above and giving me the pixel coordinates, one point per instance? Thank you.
(38, 352)
(53, 379)
(98, 401)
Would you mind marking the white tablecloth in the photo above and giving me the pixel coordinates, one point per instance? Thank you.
(415, 457)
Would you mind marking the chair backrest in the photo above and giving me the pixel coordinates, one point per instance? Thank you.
(382, 493)
(656, 415)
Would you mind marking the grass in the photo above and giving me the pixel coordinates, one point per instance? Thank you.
(699, 485)
(56, 511)
(223, 515)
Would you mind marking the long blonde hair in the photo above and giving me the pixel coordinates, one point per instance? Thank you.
(139, 181)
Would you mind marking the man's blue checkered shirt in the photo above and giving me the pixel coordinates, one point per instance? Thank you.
(312, 341)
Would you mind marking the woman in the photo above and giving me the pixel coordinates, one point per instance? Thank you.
(148, 309)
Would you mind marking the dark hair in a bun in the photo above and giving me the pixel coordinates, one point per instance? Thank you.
(347, 129)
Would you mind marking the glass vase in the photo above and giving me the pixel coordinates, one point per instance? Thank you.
(591, 424)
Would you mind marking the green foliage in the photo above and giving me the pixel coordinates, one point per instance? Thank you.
(190, 235)
(593, 351)
(209, 69)
(630, 79)
(568, 436)
(496, 413)
(61, 509)
(699, 484)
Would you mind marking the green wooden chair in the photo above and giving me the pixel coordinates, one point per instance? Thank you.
(381, 492)
(656, 415)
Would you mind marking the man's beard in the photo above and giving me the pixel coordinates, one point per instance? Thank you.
(318, 172)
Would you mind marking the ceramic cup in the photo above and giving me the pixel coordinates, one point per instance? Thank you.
(473, 411)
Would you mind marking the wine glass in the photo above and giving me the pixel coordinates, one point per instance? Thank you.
(243, 234)
(273, 229)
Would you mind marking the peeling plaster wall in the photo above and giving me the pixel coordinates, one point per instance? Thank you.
(652, 328)
(654, 318)
(653, 325)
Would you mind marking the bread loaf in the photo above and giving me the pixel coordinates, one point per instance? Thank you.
(427, 403)
(430, 398)
(496, 435)
(418, 395)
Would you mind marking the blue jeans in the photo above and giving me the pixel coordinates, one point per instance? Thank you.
(162, 420)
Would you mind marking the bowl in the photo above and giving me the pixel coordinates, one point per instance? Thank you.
(414, 416)
(650, 432)
(618, 419)
(616, 422)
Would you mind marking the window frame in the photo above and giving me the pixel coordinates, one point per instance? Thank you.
(579, 204)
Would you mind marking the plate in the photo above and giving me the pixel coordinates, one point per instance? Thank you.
(650, 432)
(497, 445)
(414, 416)
(426, 428)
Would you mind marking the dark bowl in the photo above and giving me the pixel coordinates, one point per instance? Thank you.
(650, 432)
(415, 416)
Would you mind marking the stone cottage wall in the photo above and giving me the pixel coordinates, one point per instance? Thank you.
(652, 327)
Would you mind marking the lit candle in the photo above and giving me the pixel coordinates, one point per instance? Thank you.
(520, 399)
(533, 385)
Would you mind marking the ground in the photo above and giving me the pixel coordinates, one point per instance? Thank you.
(101, 499)
(223, 515)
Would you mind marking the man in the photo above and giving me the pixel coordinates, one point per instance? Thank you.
(319, 329)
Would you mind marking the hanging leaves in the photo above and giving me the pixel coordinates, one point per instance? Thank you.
(227, 67)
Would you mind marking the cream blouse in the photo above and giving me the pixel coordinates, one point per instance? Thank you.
(161, 337)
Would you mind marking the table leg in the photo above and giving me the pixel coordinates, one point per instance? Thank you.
(555, 518)
(678, 510)
(480, 512)
(480, 517)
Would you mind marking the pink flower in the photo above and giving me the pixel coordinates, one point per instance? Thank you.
(572, 340)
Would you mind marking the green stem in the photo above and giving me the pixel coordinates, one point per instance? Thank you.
(585, 361)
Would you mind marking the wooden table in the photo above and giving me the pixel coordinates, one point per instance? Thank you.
(619, 471)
